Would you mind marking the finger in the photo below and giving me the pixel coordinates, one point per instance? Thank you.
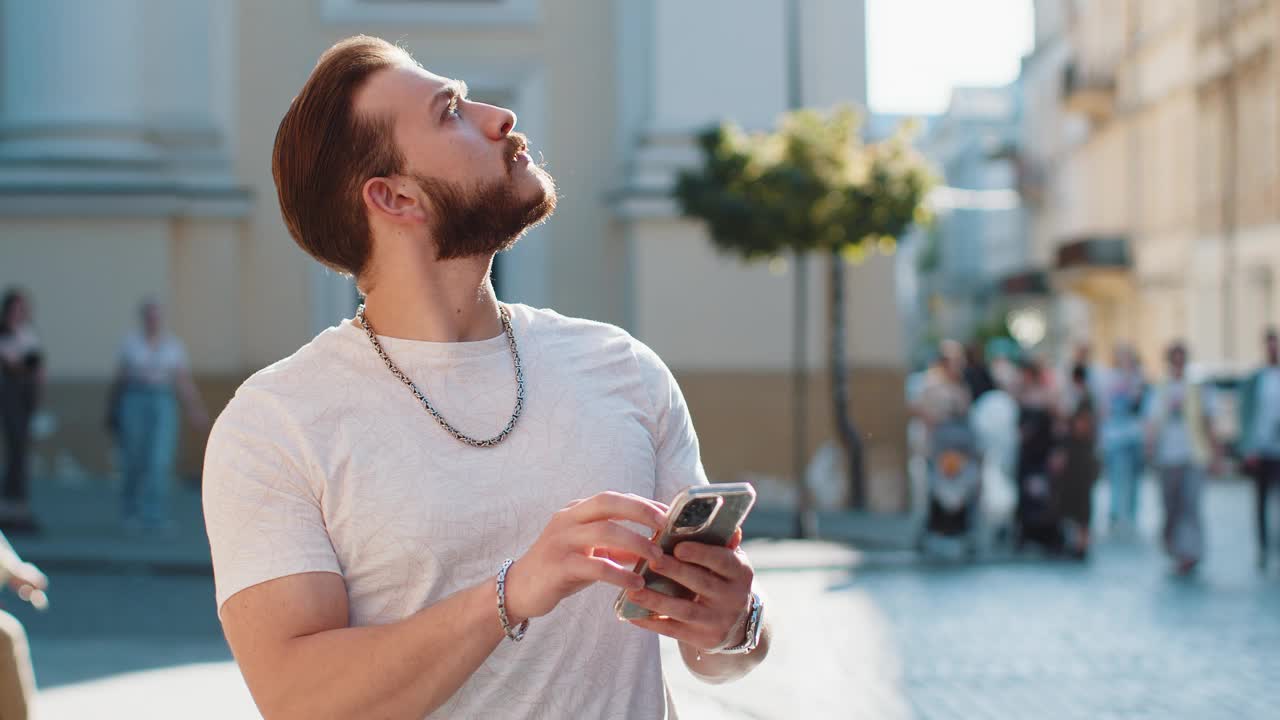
(698, 579)
(683, 632)
(621, 557)
(612, 536)
(675, 608)
(601, 570)
(736, 540)
(616, 506)
(728, 564)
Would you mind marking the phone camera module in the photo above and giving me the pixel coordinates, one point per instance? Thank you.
(696, 513)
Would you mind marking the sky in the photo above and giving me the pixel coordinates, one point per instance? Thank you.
(917, 50)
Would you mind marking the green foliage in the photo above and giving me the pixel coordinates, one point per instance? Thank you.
(811, 184)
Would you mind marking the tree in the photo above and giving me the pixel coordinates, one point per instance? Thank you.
(811, 185)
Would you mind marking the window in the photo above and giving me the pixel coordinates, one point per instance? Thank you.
(436, 12)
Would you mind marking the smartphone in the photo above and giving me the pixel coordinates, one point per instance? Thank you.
(708, 514)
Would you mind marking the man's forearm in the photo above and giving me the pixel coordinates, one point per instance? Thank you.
(401, 670)
(717, 669)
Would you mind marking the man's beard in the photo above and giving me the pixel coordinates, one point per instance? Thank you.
(485, 219)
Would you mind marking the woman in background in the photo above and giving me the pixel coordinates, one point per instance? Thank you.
(1121, 429)
(154, 377)
(21, 378)
(1078, 463)
(1183, 450)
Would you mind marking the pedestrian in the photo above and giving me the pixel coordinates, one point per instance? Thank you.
(1260, 434)
(1181, 446)
(1121, 437)
(977, 374)
(17, 678)
(945, 396)
(392, 507)
(1037, 515)
(1077, 463)
(152, 380)
(21, 382)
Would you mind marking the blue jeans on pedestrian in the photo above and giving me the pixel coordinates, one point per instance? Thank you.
(148, 445)
(1123, 466)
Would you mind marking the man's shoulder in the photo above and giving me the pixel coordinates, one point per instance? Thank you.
(313, 372)
(599, 336)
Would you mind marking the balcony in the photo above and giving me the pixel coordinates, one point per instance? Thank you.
(1088, 92)
(1098, 253)
(1095, 266)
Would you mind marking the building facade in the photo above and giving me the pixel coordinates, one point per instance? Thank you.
(135, 149)
(1149, 157)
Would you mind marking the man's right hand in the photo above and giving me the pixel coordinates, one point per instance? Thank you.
(579, 547)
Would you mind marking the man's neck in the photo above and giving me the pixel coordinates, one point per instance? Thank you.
(451, 301)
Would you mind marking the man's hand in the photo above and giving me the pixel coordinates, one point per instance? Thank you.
(721, 578)
(583, 544)
(27, 575)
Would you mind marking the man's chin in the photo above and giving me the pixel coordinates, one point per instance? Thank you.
(540, 194)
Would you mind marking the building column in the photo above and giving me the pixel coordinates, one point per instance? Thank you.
(73, 86)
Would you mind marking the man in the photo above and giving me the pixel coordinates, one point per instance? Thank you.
(1260, 433)
(1182, 448)
(366, 496)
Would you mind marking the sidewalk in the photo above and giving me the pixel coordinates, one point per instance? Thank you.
(81, 533)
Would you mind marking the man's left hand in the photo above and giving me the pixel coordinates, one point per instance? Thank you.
(721, 579)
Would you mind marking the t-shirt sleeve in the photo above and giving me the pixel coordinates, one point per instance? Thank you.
(261, 502)
(679, 461)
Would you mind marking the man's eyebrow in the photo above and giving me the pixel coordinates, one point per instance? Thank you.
(454, 89)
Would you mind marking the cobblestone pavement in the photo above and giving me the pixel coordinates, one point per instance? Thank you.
(1117, 637)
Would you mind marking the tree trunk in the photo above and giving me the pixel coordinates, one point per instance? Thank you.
(845, 428)
(806, 522)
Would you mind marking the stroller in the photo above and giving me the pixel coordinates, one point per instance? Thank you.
(954, 486)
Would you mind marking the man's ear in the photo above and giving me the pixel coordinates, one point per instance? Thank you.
(393, 198)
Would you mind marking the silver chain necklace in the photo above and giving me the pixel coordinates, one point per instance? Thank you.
(505, 316)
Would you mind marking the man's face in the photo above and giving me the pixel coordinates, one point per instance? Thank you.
(1273, 348)
(1177, 362)
(481, 188)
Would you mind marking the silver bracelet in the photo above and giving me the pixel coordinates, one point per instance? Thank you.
(516, 634)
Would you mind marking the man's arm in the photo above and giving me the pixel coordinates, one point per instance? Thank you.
(300, 659)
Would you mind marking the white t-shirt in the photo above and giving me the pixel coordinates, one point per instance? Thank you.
(326, 462)
(152, 363)
(1168, 405)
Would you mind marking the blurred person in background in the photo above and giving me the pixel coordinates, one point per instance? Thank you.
(1121, 437)
(977, 373)
(1075, 463)
(1181, 446)
(21, 379)
(1260, 434)
(1037, 516)
(944, 396)
(17, 678)
(152, 380)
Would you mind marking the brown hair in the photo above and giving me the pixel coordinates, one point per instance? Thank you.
(324, 152)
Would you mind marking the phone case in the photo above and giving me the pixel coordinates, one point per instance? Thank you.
(736, 501)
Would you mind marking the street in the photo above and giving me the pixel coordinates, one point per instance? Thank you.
(859, 635)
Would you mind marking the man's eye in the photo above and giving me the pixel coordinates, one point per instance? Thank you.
(453, 108)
